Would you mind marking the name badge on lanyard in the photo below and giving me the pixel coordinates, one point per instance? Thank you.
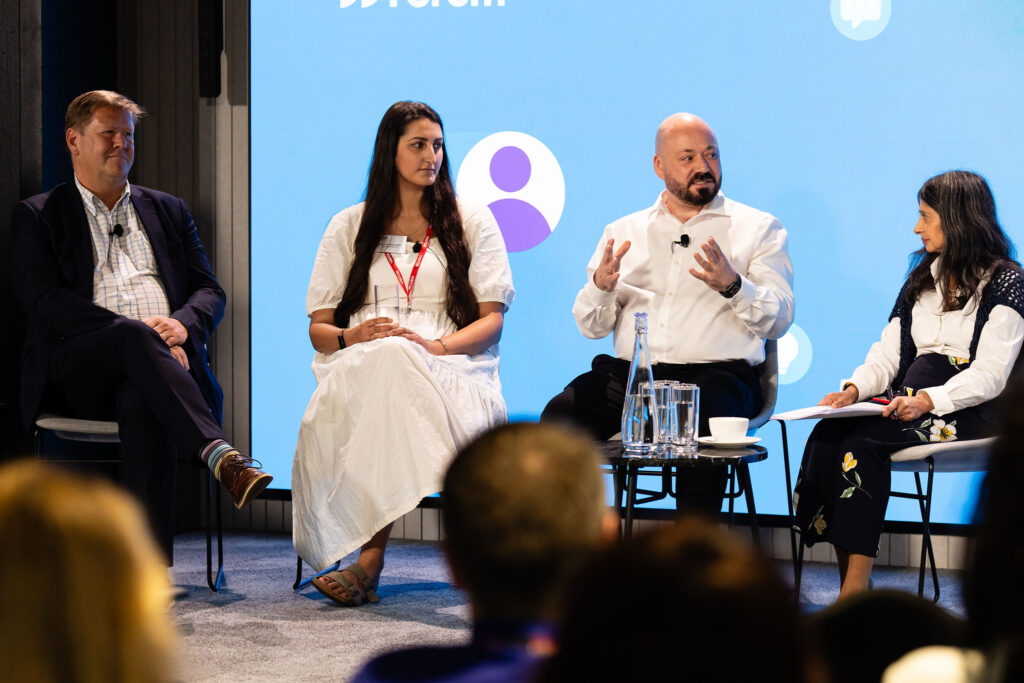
(415, 268)
(391, 244)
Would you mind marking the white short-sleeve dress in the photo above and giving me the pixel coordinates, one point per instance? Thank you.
(387, 416)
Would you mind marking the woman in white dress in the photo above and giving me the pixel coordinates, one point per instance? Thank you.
(395, 399)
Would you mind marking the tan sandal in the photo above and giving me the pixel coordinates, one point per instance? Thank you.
(351, 594)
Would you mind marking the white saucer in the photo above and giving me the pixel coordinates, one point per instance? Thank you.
(738, 443)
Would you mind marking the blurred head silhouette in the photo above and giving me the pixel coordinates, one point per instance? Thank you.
(523, 505)
(688, 601)
(83, 588)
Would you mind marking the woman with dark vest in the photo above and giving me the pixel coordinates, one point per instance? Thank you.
(952, 340)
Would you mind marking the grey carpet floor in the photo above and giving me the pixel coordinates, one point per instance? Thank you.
(258, 629)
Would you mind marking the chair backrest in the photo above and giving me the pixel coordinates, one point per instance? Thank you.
(768, 375)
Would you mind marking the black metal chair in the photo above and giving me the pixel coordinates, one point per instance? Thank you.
(97, 431)
(944, 456)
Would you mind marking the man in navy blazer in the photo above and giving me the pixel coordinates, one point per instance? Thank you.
(121, 302)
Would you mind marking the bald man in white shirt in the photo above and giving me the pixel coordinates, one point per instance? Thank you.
(715, 279)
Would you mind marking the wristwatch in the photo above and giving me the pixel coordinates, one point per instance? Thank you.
(341, 340)
(730, 291)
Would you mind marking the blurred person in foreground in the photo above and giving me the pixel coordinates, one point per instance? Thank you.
(993, 590)
(84, 591)
(686, 602)
(523, 506)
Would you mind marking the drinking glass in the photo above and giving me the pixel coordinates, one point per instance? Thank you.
(668, 416)
(386, 303)
(686, 401)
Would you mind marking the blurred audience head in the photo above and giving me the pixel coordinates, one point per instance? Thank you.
(993, 589)
(523, 505)
(899, 622)
(687, 602)
(83, 589)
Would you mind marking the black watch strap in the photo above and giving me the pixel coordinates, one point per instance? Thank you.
(341, 340)
(730, 291)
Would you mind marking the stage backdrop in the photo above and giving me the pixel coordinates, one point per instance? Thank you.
(829, 116)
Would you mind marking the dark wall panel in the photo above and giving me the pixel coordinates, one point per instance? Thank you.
(21, 171)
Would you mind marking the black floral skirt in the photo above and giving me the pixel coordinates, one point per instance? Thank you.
(842, 490)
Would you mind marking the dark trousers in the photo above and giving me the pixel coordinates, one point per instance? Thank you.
(842, 490)
(125, 372)
(727, 389)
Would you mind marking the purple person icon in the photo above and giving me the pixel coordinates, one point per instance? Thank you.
(521, 224)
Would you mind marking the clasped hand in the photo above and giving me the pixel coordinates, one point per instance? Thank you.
(173, 334)
(378, 328)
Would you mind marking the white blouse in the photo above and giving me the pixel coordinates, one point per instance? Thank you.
(948, 333)
(489, 272)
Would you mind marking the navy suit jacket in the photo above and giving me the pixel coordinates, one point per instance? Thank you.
(52, 271)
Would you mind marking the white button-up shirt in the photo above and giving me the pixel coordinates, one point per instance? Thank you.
(948, 333)
(687, 321)
(125, 278)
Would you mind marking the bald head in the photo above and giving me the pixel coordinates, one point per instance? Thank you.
(682, 124)
(686, 158)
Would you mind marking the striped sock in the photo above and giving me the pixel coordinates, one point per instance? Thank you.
(214, 453)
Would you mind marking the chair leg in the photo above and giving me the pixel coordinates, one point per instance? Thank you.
(213, 512)
(798, 569)
(618, 477)
(302, 583)
(927, 552)
(632, 474)
(789, 494)
(743, 473)
(732, 494)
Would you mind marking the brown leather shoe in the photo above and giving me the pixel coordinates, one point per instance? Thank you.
(243, 481)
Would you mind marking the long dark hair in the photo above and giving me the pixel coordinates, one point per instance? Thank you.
(974, 243)
(381, 202)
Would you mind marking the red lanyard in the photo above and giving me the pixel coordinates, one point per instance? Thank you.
(415, 268)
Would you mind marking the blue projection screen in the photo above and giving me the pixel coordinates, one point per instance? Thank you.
(829, 116)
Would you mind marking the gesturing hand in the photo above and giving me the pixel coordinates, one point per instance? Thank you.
(368, 330)
(171, 330)
(607, 273)
(717, 273)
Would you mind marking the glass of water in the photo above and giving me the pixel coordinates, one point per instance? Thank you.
(686, 402)
(668, 416)
(386, 303)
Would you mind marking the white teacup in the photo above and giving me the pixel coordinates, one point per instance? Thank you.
(728, 429)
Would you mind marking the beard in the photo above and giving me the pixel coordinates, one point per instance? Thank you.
(693, 196)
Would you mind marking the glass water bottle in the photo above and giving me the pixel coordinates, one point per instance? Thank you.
(639, 412)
